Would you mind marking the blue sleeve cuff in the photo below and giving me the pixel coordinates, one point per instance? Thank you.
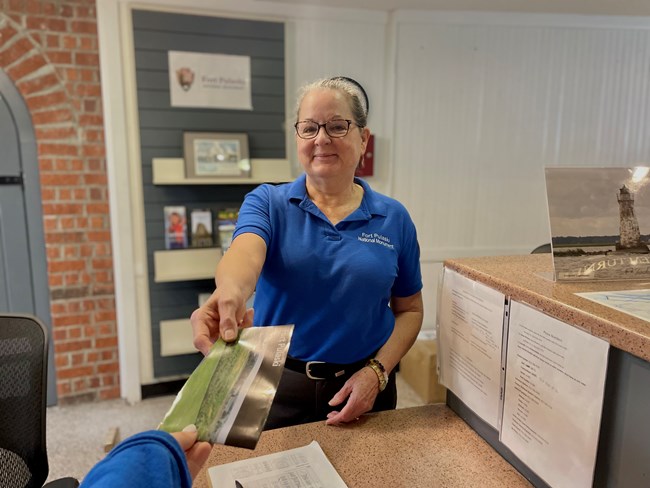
(151, 458)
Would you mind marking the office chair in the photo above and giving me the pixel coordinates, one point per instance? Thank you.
(544, 248)
(23, 379)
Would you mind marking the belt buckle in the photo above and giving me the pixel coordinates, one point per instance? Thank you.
(308, 370)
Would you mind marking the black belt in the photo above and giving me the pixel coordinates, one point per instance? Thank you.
(319, 370)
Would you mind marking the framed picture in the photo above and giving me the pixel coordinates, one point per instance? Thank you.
(216, 154)
(600, 222)
(201, 225)
(175, 227)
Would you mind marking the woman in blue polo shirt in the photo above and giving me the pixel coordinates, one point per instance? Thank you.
(333, 257)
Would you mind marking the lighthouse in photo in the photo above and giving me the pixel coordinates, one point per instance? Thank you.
(630, 238)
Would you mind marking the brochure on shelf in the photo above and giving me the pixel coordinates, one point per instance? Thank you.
(226, 221)
(175, 227)
(228, 396)
(201, 225)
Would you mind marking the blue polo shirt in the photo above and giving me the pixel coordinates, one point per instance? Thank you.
(334, 282)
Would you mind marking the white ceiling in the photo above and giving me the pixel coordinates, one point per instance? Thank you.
(586, 7)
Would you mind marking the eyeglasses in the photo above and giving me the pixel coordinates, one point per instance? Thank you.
(308, 129)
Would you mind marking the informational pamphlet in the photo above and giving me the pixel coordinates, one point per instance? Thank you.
(555, 381)
(470, 332)
(228, 396)
(303, 467)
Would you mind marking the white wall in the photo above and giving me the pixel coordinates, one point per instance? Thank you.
(467, 109)
(484, 102)
(314, 49)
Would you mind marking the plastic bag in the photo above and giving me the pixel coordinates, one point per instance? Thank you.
(228, 396)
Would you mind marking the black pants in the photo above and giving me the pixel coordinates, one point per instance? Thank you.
(300, 400)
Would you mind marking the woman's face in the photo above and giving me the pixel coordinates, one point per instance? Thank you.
(326, 156)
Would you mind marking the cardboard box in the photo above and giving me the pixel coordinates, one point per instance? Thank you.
(418, 369)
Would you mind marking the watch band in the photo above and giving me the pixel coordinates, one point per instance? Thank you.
(379, 369)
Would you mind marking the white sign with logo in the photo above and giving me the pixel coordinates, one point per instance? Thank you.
(210, 80)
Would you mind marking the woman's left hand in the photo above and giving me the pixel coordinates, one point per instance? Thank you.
(361, 390)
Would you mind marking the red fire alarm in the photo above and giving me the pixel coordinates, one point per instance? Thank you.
(367, 167)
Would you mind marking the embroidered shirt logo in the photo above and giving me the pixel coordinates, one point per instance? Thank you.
(375, 238)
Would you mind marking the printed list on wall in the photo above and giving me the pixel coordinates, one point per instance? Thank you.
(470, 343)
(547, 402)
(555, 381)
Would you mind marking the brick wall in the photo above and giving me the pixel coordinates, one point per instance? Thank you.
(49, 50)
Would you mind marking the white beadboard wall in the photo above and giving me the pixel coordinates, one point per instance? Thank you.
(481, 109)
(355, 48)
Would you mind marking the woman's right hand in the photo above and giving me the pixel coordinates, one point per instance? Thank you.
(225, 311)
(220, 316)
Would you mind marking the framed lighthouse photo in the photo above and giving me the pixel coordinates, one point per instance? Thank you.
(600, 222)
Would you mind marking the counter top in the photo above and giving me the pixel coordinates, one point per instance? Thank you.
(527, 279)
(428, 446)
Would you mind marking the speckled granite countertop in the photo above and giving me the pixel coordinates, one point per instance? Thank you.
(428, 446)
(527, 279)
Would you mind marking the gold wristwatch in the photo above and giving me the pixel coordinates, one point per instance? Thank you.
(379, 369)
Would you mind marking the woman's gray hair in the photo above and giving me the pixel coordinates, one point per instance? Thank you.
(354, 91)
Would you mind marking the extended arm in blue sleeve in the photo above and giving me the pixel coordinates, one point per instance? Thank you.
(153, 459)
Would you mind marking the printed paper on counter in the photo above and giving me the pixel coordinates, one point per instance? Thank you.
(303, 467)
(631, 302)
